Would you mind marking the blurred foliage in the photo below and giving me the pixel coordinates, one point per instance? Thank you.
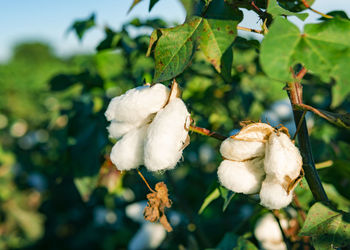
(58, 188)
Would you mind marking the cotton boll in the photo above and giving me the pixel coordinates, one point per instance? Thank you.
(254, 132)
(137, 104)
(166, 136)
(273, 195)
(149, 236)
(118, 129)
(127, 153)
(242, 177)
(282, 158)
(268, 233)
(237, 150)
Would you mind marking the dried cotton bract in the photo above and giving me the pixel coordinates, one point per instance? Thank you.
(255, 152)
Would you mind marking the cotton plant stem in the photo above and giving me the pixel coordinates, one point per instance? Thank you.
(295, 96)
(316, 11)
(250, 30)
(144, 179)
(206, 132)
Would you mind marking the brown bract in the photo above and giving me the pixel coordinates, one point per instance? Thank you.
(157, 202)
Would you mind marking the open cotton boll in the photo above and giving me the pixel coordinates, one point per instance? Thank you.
(273, 195)
(127, 153)
(282, 158)
(254, 132)
(237, 150)
(268, 233)
(137, 104)
(118, 129)
(242, 177)
(166, 136)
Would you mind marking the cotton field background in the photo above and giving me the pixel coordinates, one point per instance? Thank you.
(100, 149)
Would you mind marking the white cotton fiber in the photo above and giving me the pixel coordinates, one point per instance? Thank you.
(127, 153)
(149, 236)
(273, 195)
(282, 158)
(137, 104)
(118, 129)
(268, 233)
(166, 136)
(254, 132)
(237, 150)
(242, 177)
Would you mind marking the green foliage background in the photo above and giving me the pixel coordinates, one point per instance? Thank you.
(56, 183)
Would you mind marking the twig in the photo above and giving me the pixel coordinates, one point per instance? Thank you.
(284, 235)
(316, 11)
(144, 179)
(250, 30)
(295, 96)
(206, 132)
(299, 125)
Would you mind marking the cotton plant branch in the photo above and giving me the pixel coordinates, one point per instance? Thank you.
(316, 11)
(250, 30)
(295, 94)
(206, 132)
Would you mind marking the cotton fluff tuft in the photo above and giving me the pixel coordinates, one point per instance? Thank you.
(137, 104)
(127, 153)
(237, 150)
(273, 195)
(268, 233)
(242, 177)
(118, 129)
(282, 157)
(166, 136)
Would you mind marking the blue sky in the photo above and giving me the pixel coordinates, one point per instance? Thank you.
(48, 20)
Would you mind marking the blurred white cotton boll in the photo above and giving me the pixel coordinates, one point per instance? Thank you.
(137, 104)
(237, 150)
(282, 157)
(149, 236)
(135, 211)
(127, 153)
(242, 177)
(167, 136)
(283, 109)
(273, 195)
(268, 233)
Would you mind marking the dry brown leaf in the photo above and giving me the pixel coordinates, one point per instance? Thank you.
(258, 132)
(157, 202)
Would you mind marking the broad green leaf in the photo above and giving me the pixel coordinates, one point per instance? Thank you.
(329, 228)
(154, 37)
(295, 5)
(81, 26)
(216, 36)
(174, 49)
(211, 197)
(111, 40)
(275, 10)
(277, 49)
(324, 49)
(227, 195)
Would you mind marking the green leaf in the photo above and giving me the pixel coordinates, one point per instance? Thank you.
(277, 49)
(151, 4)
(216, 36)
(232, 241)
(328, 228)
(174, 49)
(111, 40)
(295, 5)
(86, 185)
(324, 49)
(227, 195)
(275, 10)
(154, 37)
(209, 199)
(81, 26)
(134, 3)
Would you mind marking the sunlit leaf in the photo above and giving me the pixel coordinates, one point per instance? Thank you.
(211, 197)
(275, 10)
